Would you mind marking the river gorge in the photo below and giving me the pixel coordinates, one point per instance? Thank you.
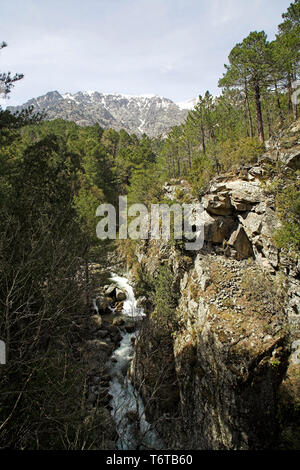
(200, 349)
(127, 408)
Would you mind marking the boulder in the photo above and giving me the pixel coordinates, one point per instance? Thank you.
(96, 353)
(269, 223)
(112, 329)
(114, 333)
(252, 223)
(218, 204)
(256, 172)
(120, 295)
(141, 302)
(97, 345)
(240, 203)
(216, 229)
(223, 228)
(244, 194)
(110, 291)
(240, 242)
(291, 159)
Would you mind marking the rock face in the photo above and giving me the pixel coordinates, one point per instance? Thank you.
(230, 357)
(241, 244)
(221, 371)
(233, 358)
(150, 114)
(246, 212)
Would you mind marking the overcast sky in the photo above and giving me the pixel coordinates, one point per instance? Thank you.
(173, 48)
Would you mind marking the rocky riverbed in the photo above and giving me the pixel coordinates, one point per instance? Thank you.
(113, 324)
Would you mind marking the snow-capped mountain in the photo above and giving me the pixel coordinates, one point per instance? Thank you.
(150, 114)
(189, 104)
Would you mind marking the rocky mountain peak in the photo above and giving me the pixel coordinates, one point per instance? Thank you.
(151, 114)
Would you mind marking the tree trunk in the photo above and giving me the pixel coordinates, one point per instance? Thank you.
(292, 106)
(278, 104)
(248, 110)
(295, 106)
(189, 155)
(87, 286)
(203, 139)
(295, 112)
(246, 124)
(269, 122)
(178, 166)
(259, 119)
(173, 167)
(290, 92)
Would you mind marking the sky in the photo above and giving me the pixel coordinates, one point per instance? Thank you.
(172, 48)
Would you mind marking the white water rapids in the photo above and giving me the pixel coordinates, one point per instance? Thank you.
(134, 432)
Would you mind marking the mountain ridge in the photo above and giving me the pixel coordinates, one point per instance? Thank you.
(151, 114)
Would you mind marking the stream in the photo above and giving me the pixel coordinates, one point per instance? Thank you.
(134, 431)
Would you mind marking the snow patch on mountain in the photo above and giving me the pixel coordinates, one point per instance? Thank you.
(189, 104)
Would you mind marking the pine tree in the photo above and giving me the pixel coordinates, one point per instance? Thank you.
(7, 81)
(288, 47)
(249, 64)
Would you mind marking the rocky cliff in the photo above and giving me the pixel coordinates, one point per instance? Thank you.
(228, 377)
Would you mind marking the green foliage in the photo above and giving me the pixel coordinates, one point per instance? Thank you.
(160, 289)
(245, 150)
(110, 140)
(145, 186)
(165, 298)
(220, 133)
(287, 236)
(202, 171)
(288, 40)
(249, 67)
(145, 283)
(41, 243)
(52, 177)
